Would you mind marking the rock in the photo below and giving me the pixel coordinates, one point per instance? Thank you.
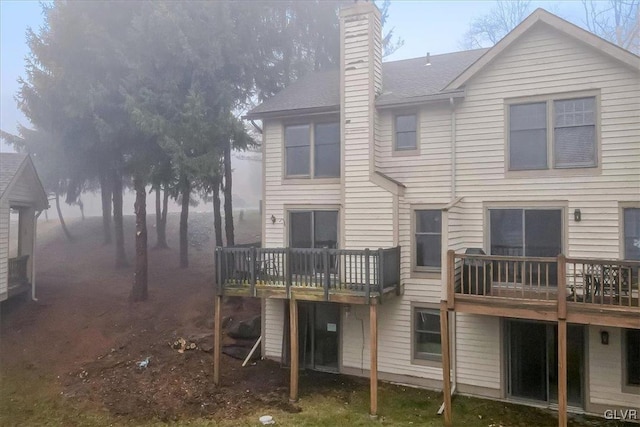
(247, 329)
(240, 352)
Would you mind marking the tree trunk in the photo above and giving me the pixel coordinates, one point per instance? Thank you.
(62, 223)
(228, 203)
(121, 256)
(217, 218)
(161, 218)
(184, 219)
(139, 290)
(105, 193)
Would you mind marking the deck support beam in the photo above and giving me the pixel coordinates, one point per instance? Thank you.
(217, 339)
(295, 354)
(373, 341)
(562, 341)
(562, 373)
(446, 363)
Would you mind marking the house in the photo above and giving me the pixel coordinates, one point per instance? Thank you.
(385, 184)
(22, 199)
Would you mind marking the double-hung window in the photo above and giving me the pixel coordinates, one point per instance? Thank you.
(406, 135)
(553, 134)
(426, 328)
(312, 150)
(428, 239)
(631, 227)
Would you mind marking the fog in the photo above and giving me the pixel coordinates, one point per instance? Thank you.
(247, 189)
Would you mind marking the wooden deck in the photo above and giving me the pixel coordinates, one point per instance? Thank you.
(585, 291)
(335, 275)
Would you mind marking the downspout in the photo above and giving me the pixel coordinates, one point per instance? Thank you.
(452, 320)
(452, 316)
(453, 147)
(33, 258)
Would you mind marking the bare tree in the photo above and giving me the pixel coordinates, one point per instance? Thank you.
(488, 29)
(617, 21)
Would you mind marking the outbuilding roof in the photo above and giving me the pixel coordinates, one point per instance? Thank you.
(9, 165)
(12, 167)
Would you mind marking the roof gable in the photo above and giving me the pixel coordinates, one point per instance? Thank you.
(541, 16)
(15, 167)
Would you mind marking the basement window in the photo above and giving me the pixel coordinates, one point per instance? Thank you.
(426, 329)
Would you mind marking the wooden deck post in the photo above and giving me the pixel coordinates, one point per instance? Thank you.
(373, 341)
(217, 339)
(446, 363)
(562, 373)
(293, 328)
(451, 277)
(562, 341)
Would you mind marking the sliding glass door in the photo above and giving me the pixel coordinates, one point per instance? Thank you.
(532, 356)
(313, 229)
(527, 233)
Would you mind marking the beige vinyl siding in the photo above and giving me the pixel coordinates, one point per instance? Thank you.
(279, 196)
(478, 350)
(23, 189)
(394, 340)
(274, 327)
(368, 209)
(605, 371)
(545, 62)
(279, 193)
(4, 248)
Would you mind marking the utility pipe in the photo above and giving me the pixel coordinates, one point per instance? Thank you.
(453, 147)
(33, 258)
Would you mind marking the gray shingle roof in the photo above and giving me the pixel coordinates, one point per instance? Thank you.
(402, 81)
(9, 165)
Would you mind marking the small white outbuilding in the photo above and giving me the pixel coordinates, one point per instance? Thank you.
(22, 199)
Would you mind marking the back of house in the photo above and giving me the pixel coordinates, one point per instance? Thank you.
(478, 210)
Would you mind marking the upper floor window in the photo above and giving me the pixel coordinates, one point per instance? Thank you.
(428, 239)
(631, 227)
(557, 132)
(312, 150)
(406, 136)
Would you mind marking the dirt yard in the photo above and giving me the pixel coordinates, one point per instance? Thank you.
(84, 332)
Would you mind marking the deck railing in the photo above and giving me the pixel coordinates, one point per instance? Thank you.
(576, 280)
(18, 270)
(364, 272)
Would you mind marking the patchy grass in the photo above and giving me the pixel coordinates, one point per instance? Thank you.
(32, 399)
